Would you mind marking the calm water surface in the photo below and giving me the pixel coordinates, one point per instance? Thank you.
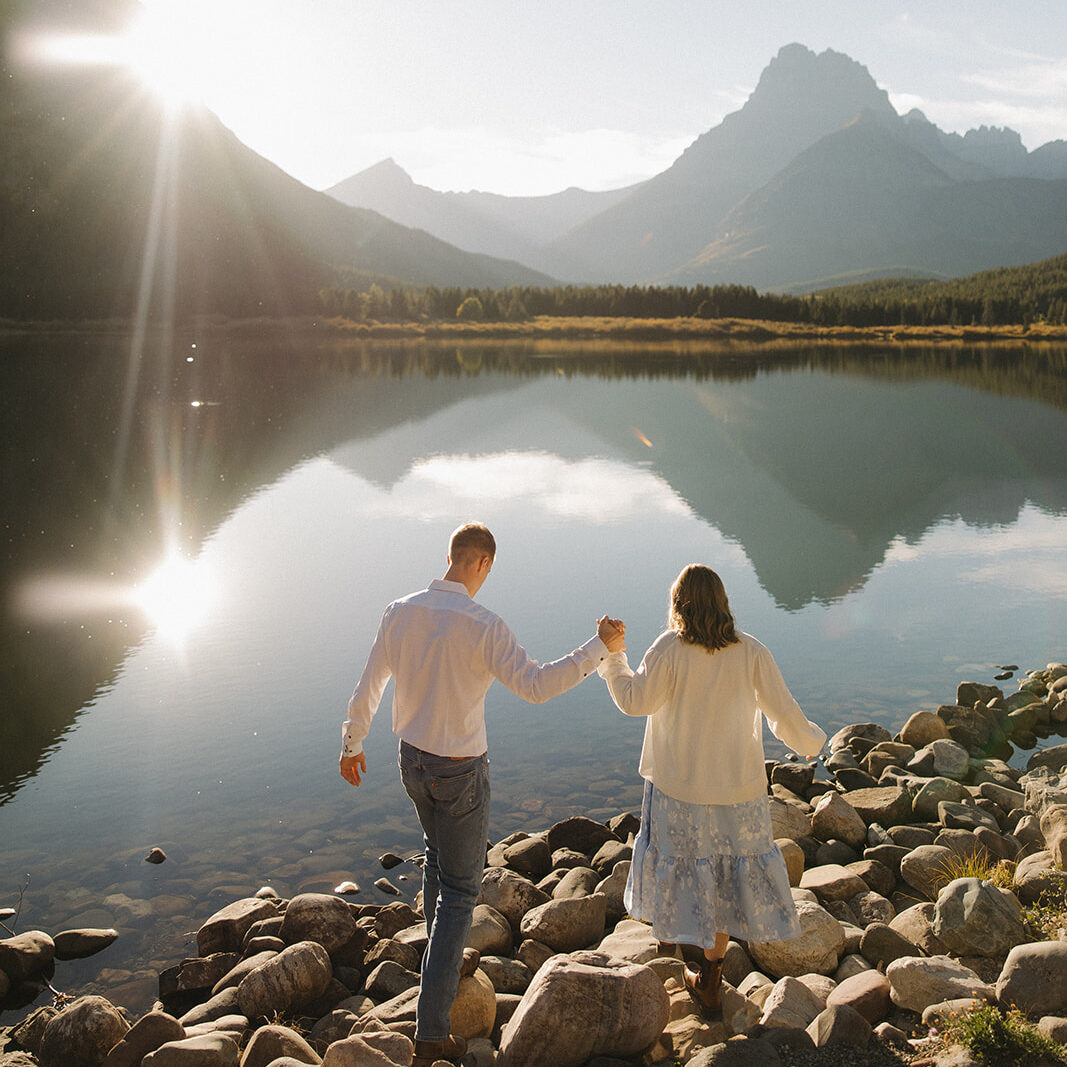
(888, 523)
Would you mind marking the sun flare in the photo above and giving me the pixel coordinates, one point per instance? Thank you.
(172, 48)
(177, 596)
(169, 52)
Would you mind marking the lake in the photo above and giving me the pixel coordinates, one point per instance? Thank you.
(200, 537)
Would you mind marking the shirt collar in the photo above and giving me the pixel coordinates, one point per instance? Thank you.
(443, 586)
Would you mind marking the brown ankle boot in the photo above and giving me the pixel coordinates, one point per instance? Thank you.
(704, 982)
(428, 1053)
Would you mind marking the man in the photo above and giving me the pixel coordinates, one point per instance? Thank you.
(443, 651)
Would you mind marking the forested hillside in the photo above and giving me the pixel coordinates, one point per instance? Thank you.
(1033, 293)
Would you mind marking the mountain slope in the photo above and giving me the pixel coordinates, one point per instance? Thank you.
(512, 227)
(666, 220)
(863, 199)
(105, 198)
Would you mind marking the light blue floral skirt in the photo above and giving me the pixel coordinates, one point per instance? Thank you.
(699, 869)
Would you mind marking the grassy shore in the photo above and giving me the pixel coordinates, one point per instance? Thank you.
(589, 328)
(747, 331)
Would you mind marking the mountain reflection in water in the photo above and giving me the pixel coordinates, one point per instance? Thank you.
(194, 569)
(815, 461)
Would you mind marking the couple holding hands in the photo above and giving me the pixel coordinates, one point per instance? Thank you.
(705, 866)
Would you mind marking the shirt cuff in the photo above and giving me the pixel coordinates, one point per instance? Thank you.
(612, 664)
(595, 649)
(349, 747)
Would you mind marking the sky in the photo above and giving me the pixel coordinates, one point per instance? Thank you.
(528, 98)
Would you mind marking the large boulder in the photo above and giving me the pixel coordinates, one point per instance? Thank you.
(836, 819)
(580, 833)
(977, 729)
(26, 955)
(1054, 828)
(859, 736)
(917, 982)
(1054, 757)
(816, 950)
(474, 1009)
(531, 857)
(354, 1051)
(831, 881)
(270, 1043)
(82, 1034)
(916, 924)
(922, 728)
(886, 805)
(510, 894)
(787, 820)
(80, 944)
(630, 940)
(585, 1005)
(225, 930)
(867, 992)
(1037, 874)
(791, 1003)
(566, 925)
(577, 882)
(1034, 979)
(927, 868)
(319, 917)
(490, 931)
(932, 792)
(145, 1036)
(840, 1024)
(880, 944)
(293, 978)
(975, 918)
(215, 1049)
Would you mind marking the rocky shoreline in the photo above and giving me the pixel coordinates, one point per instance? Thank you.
(929, 877)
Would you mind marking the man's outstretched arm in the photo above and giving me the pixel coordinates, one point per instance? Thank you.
(538, 682)
(361, 708)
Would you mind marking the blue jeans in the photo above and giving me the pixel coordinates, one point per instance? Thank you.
(451, 797)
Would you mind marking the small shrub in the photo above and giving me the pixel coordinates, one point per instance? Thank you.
(1002, 1040)
(1047, 916)
(981, 866)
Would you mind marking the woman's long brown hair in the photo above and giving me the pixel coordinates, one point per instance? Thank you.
(699, 610)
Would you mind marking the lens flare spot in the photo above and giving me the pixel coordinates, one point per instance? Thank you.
(177, 596)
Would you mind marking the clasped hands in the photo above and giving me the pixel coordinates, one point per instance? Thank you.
(612, 632)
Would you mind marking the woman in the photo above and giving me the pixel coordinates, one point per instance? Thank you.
(705, 865)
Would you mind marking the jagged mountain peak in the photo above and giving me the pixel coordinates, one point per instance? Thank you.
(801, 96)
(993, 135)
(799, 77)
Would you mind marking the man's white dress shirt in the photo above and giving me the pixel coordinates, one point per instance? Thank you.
(443, 651)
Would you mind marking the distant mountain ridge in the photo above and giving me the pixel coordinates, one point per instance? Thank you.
(508, 227)
(816, 176)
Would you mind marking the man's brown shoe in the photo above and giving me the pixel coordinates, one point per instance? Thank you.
(428, 1053)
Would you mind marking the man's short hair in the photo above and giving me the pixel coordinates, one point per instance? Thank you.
(471, 540)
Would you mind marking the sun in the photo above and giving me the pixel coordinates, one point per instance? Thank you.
(170, 51)
(177, 596)
(177, 50)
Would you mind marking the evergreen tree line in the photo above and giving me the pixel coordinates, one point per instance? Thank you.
(1007, 296)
